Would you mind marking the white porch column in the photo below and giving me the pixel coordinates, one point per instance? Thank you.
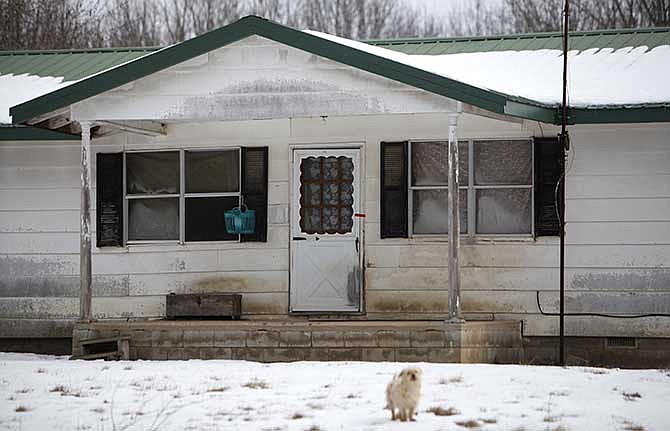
(85, 224)
(454, 224)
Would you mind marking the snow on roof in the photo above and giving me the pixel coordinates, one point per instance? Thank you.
(596, 77)
(16, 89)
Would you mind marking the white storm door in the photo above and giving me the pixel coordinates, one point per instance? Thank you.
(325, 231)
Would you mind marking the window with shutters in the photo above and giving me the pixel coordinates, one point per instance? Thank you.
(495, 187)
(181, 195)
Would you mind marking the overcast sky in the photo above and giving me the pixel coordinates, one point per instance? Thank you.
(442, 6)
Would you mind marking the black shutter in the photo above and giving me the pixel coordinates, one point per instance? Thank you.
(255, 189)
(393, 190)
(547, 174)
(109, 199)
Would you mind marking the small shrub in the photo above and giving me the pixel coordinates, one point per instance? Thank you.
(297, 416)
(549, 418)
(21, 409)
(439, 411)
(490, 421)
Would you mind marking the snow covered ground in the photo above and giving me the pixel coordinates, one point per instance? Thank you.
(43, 392)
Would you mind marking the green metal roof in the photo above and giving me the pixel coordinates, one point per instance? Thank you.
(75, 64)
(70, 64)
(579, 40)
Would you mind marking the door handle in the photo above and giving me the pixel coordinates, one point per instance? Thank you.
(299, 238)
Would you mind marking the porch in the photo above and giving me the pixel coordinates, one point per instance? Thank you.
(286, 341)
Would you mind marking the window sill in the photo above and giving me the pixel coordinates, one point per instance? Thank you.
(478, 239)
(171, 246)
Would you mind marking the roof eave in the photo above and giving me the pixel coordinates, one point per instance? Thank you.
(28, 133)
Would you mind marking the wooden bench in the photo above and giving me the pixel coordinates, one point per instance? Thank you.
(113, 348)
(204, 306)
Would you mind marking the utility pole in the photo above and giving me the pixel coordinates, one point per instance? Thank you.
(563, 142)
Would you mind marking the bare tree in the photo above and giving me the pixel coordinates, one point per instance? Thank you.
(133, 23)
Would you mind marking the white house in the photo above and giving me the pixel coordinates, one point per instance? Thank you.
(341, 148)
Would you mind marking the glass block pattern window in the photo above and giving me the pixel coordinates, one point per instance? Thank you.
(180, 195)
(326, 195)
(495, 187)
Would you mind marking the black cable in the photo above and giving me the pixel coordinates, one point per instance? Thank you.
(614, 316)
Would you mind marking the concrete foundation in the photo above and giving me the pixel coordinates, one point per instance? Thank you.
(402, 341)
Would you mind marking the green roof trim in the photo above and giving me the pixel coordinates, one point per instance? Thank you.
(28, 133)
(152, 60)
(579, 40)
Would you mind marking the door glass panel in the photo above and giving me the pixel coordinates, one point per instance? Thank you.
(326, 195)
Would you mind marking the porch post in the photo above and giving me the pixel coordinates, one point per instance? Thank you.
(85, 225)
(454, 224)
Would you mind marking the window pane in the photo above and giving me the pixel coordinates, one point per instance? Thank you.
(502, 162)
(503, 211)
(205, 221)
(152, 173)
(430, 163)
(153, 219)
(212, 171)
(429, 211)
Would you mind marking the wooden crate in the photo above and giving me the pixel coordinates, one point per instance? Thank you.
(203, 306)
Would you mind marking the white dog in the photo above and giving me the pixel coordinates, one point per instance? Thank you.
(403, 393)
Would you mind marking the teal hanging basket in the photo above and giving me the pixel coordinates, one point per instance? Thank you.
(240, 220)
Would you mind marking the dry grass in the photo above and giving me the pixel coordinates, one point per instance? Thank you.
(23, 391)
(41, 371)
(440, 411)
(559, 393)
(98, 410)
(314, 428)
(297, 416)
(631, 396)
(21, 409)
(631, 426)
(550, 419)
(450, 380)
(219, 389)
(489, 420)
(256, 384)
(469, 424)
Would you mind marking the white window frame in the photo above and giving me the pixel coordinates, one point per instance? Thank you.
(470, 189)
(182, 195)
